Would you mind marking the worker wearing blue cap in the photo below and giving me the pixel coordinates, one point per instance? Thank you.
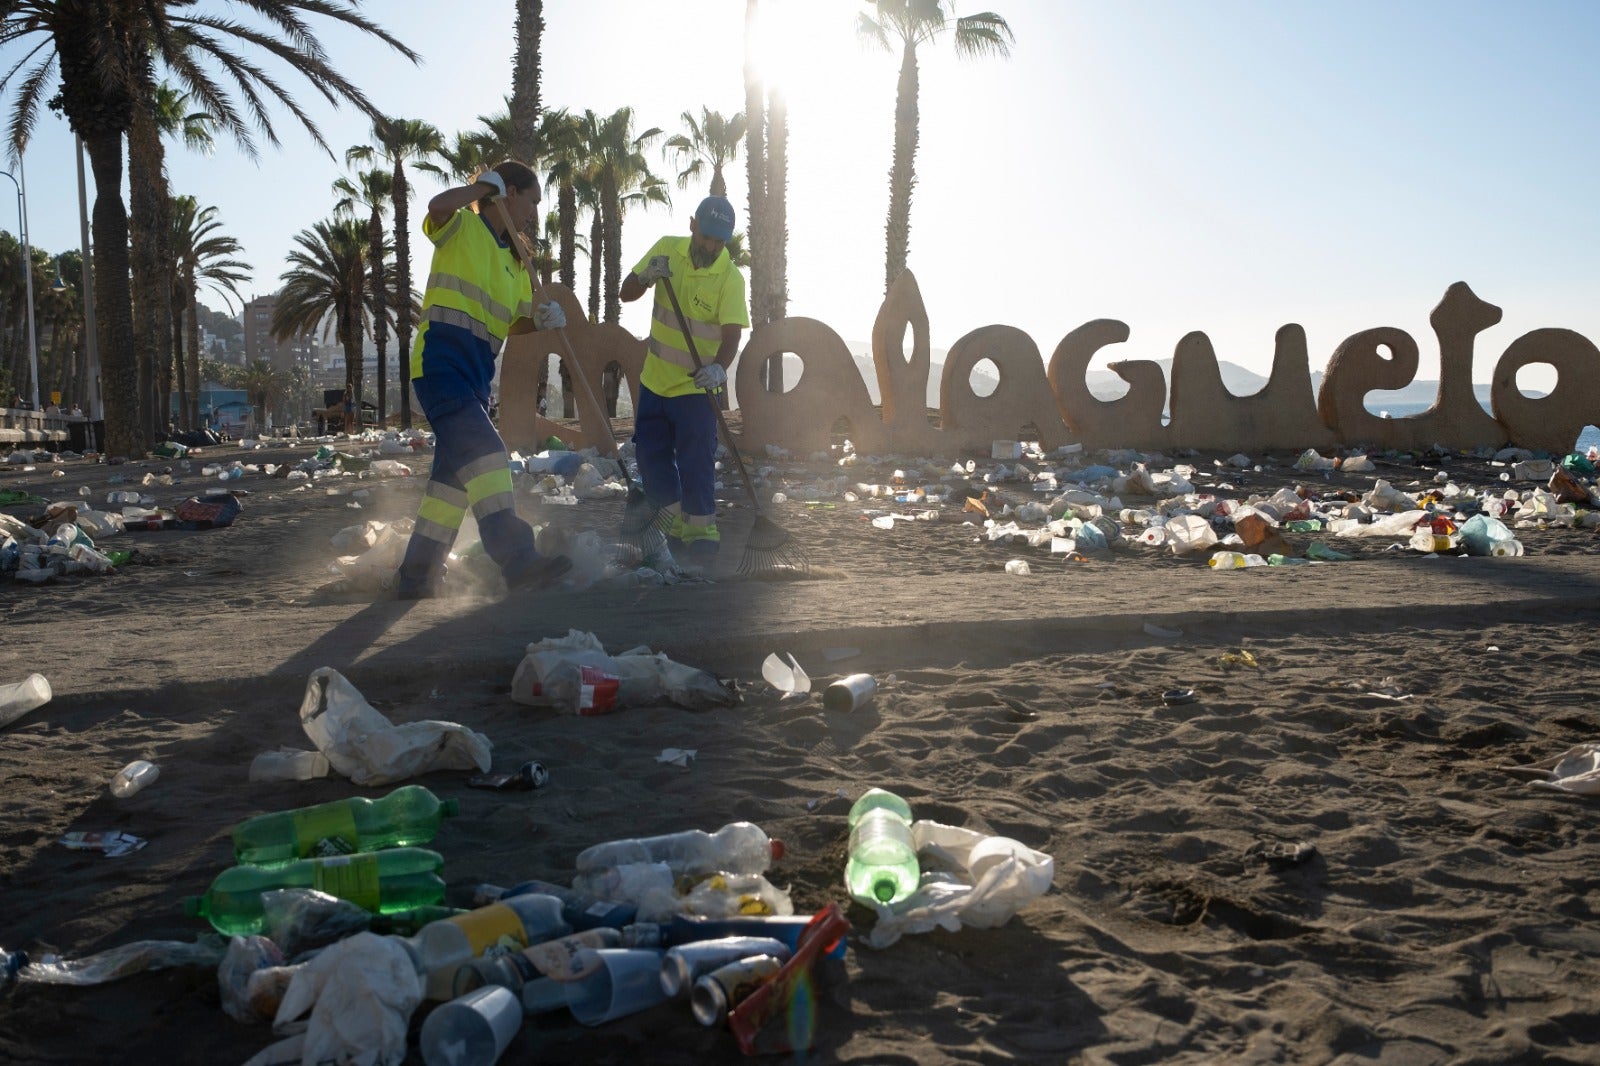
(675, 429)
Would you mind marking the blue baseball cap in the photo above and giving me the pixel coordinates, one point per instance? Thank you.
(714, 216)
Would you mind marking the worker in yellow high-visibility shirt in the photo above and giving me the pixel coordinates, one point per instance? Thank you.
(675, 428)
(478, 292)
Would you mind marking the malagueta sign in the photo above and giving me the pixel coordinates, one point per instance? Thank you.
(1054, 399)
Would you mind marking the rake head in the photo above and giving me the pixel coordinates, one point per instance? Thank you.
(772, 549)
(641, 519)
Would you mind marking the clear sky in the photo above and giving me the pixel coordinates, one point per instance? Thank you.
(1226, 166)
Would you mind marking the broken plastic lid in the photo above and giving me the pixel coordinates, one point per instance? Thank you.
(788, 679)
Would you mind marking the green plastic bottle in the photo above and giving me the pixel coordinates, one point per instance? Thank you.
(882, 867)
(405, 817)
(383, 882)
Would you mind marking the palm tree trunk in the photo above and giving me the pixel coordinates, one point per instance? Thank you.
(567, 211)
(775, 227)
(611, 229)
(380, 322)
(902, 169)
(119, 371)
(524, 103)
(596, 236)
(193, 355)
(151, 269)
(181, 365)
(402, 267)
(755, 164)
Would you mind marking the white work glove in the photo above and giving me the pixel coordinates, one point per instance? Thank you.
(657, 268)
(549, 315)
(711, 377)
(492, 178)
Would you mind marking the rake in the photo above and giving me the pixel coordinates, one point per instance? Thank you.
(770, 547)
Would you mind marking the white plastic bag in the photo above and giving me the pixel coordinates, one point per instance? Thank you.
(575, 675)
(986, 879)
(361, 993)
(369, 749)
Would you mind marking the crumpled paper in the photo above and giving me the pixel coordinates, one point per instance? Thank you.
(1009, 876)
(361, 993)
(366, 747)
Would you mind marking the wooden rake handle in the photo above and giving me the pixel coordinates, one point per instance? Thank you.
(590, 413)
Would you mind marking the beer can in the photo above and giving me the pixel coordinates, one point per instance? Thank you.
(724, 988)
(686, 963)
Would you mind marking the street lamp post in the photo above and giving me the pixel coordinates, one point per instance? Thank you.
(21, 182)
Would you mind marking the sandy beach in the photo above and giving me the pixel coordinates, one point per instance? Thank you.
(1445, 910)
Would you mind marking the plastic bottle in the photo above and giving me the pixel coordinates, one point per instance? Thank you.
(738, 848)
(123, 496)
(133, 777)
(882, 867)
(578, 909)
(441, 948)
(404, 817)
(382, 882)
(20, 697)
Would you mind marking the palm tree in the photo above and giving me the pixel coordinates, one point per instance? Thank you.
(100, 51)
(400, 140)
(374, 189)
(325, 289)
(912, 23)
(562, 154)
(620, 168)
(710, 141)
(204, 256)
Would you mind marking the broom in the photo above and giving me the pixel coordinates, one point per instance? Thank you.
(770, 546)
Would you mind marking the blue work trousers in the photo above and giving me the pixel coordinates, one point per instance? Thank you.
(675, 444)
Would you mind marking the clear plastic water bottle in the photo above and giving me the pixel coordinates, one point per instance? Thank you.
(882, 867)
(737, 848)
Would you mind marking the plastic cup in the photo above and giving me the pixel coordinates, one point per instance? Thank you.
(628, 981)
(18, 699)
(849, 693)
(474, 1030)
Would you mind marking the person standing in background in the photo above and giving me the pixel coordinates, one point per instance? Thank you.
(675, 428)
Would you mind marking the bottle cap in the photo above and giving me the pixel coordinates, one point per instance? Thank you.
(193, 906)
(449, 808)
(777, 848)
